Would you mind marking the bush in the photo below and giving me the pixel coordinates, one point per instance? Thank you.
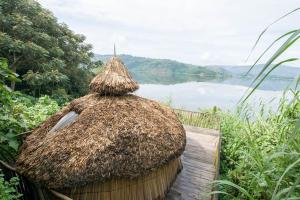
(24, 114)
(8, 188)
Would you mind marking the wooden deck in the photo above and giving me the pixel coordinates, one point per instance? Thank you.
(200, 165)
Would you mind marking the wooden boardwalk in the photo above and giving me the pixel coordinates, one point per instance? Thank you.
(200, 165)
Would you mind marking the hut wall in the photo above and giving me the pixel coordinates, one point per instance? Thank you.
(153, 186)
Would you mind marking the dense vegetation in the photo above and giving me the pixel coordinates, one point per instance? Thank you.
(260, 158)
(164, 71)
(23, 115)
(47, 55)
(260, 150)
(7, 188)
(19, 113)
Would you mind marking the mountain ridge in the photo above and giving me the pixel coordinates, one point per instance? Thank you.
(165, 71)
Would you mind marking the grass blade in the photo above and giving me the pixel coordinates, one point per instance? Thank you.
(265, 30)
(293, 187)
(240, 189)
(266, 75)
(291, 40)
(219, 192)
(266, 50)
(282, 176)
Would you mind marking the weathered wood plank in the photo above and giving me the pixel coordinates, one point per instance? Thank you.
(199, 165)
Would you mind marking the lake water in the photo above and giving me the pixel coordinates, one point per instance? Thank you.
(201, 95)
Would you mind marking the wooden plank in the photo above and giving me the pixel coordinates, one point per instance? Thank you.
(200, 165)
(202, 131)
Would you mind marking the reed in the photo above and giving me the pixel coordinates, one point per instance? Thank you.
(260, 157)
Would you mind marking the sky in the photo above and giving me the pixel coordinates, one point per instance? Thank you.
(202, 32)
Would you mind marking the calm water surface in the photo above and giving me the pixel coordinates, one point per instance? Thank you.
(200, 95)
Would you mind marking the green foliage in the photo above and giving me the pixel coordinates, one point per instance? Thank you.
(261, 156)
(49, 80)
(25, 114)
(60, 96)
(5, 75)
(18, 113)
(95, 66)
(47, 54)
(7, 188)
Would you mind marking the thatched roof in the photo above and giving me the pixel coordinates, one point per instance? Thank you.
(112, 137)
(114, 80)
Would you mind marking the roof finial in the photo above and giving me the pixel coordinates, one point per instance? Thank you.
(115, 54)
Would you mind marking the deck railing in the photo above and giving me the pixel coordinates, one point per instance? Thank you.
(199, 119)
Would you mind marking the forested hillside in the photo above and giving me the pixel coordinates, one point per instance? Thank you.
(48, 57)
(165, 71)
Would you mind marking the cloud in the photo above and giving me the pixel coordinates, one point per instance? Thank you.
(195, 31)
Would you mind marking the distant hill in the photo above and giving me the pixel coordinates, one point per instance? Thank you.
(283, 71)
(165, 71)
(280, 78)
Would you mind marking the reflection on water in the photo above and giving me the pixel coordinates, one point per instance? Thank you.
(201, 95)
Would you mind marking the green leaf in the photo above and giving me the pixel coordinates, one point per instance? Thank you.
(240, 189)
(265, 30)
(292, 39)
(265, 76)
(282, 176)
(268, 48)
(13, 144)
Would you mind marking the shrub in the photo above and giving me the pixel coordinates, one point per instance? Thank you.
(8, 188)
(24, 114)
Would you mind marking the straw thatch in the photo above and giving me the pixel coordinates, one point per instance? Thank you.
(114, 80)
(112, 137)
(152, 186)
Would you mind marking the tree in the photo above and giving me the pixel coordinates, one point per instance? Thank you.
(5, 75)
(35, 44)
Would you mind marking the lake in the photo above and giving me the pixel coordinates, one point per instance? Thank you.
(201, 95)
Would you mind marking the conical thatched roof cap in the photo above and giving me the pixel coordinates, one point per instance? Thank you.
(114, 80)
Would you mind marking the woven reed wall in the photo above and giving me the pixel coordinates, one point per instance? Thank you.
(153, 186)
(199, 119)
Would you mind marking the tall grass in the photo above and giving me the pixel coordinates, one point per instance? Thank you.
(289, 39)
(260, 159)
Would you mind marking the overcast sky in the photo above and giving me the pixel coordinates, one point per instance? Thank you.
(202, 32)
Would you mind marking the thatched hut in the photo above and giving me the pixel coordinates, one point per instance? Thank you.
(106, 145)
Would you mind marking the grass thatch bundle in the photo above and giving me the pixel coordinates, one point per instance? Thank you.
(114, 80)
